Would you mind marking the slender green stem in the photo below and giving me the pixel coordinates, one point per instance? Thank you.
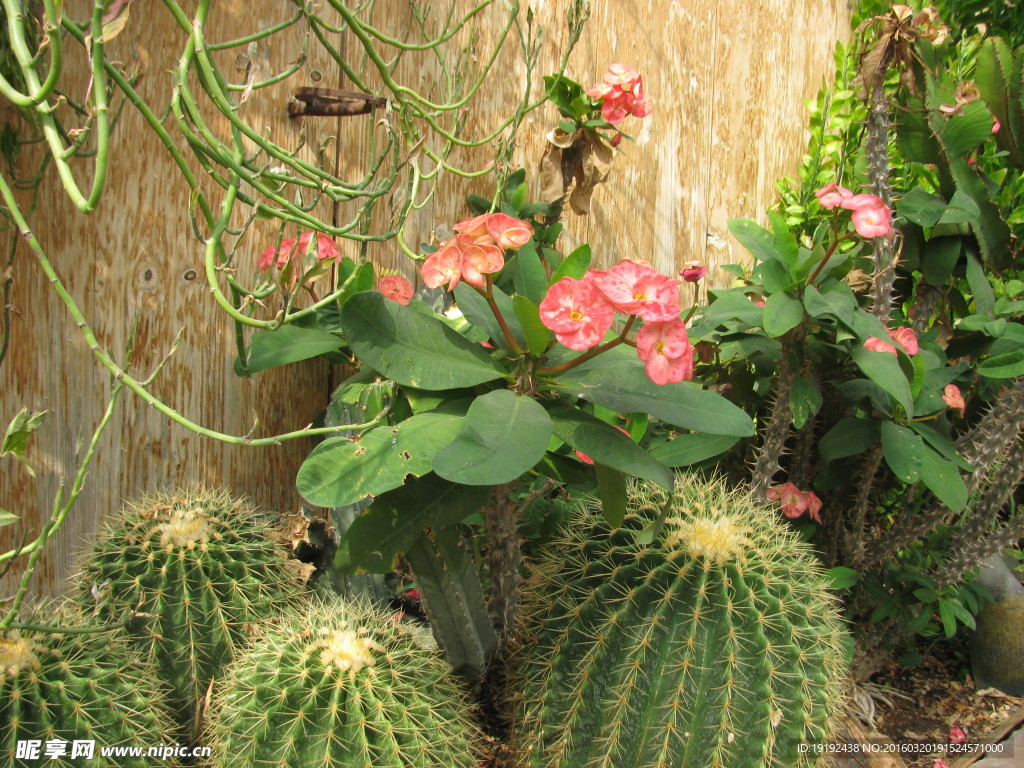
(554, 370)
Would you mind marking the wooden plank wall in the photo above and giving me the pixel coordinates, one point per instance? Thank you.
(728, 80)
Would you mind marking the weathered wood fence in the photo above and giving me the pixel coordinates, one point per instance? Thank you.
(728, 79)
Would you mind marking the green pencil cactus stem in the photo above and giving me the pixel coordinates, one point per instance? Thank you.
(718, 645)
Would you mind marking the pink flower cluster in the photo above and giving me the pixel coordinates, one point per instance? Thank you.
(904, 336)
(396, 288)
(871, 217)
(952, 397)
(581, 312)
(621, 93)
(795, 502)
(292, 249)
(477, 249)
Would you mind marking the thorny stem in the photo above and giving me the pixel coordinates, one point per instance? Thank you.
(554, 370)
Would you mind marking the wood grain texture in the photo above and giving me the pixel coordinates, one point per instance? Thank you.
(728, 80)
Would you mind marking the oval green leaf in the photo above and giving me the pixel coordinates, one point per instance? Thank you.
(782, 312)
(607, 446)
(412, 348)
(341, 471)
(502, 436)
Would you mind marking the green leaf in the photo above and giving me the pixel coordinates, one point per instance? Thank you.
(782, 312)
(940, 258)
(289, 344)
(519, 197)
(967, 131)
(984, 296)
(775, 277)
(848, 438)
(921, 208)
(411, 348)
(943, 479)
(502, 437)
(607, 446)
(6, 518)
(961, 210)
(611, 485)
(616, 380)
(395, 520)
(958, 610)
(341, 471)
(804, 400)
(948, 621)
(536, 333)
(692, 448)
(575, 265)
(18, 432)
(1009, 365)
(841, 577)
(528, 274)
(838, 302)
(758, 240)
(884, 369)
(903, 451)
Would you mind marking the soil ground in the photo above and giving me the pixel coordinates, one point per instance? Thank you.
(931, 699)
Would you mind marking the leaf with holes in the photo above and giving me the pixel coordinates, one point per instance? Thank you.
(341, 471)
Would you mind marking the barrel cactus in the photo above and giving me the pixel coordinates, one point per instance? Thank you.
(189, 572)
(66, 695)
(343, 686)
(716, 645)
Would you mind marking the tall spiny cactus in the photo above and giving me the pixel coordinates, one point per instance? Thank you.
(341, 686)
(718, 645)
(189, 572)
(76, 691)
(877, 150)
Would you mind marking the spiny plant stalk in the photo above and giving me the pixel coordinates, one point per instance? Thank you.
(981, 447)
(189, 571)
(855, 534)
(970, 547)
(877, 150)
(773, 442)
(77, 688)
(342, 686)
(504, 560)
(717, 645)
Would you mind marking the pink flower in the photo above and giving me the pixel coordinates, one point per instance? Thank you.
(906, 338)
(665, 349)
(693, 271)
(290, 249)
(586, 459)
(507, 231)
(475, 229)
(957, 736)
(395, 288)
(832, 195)
(954, 398)
(795, 502)
(871, 217)
(637, 289)
(412, 594)
(577, 313)
(940, 764)
(877, 345)
(479, 259)
(443, 266)
(621, 93)
(996, 125)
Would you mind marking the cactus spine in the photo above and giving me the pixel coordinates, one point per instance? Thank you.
(343, 686)
(71, 689)
(717, 646)
(187, 571)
